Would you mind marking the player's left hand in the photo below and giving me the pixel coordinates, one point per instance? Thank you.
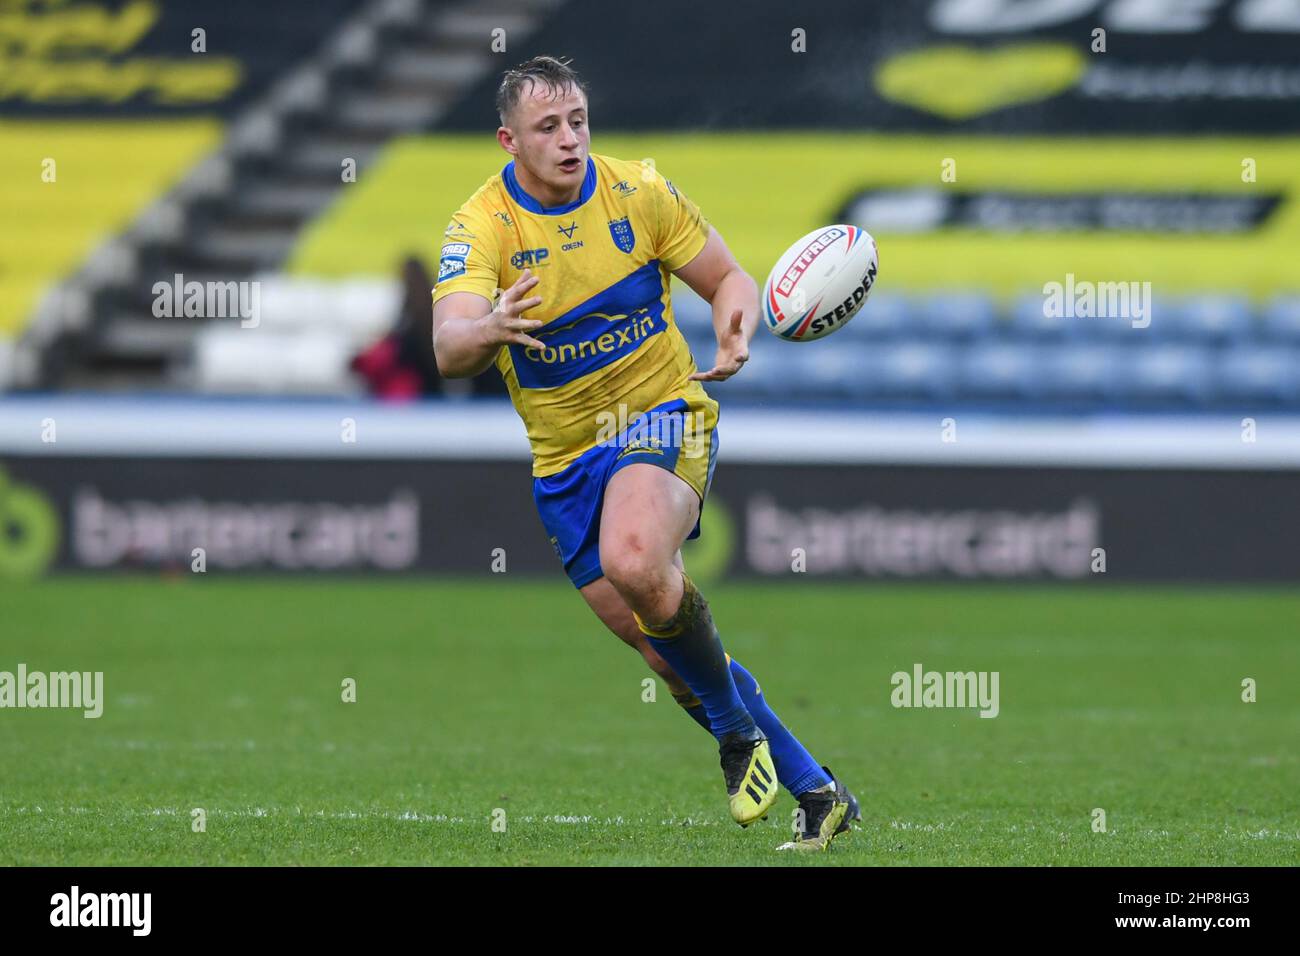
(733, 352)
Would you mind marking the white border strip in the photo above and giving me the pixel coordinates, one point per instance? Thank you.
(185, 427)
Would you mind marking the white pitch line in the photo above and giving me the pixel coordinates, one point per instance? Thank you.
(560, 819)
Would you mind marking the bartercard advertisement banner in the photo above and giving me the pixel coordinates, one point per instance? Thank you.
(898, 522)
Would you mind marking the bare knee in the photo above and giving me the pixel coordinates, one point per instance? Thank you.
(644, 580)
(629, 564)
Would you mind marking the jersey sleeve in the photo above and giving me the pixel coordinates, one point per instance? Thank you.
(470, 259)
(683, 230)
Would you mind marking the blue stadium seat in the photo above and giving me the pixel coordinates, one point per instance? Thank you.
(1081, 371)
(885, 315)
(957, 315)
(1108, 314)
(1000, 370)
(690, 311)
(1258, 373)
(1282, 318)
(1028, 320)
(751, 384)
(908, 369)
(754, 380)
(773, 371)
(1202, 318)
(1118, 328)
(826, 370)
(703, 344)
(1167, 373)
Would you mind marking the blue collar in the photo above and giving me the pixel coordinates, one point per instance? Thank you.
(532, 205)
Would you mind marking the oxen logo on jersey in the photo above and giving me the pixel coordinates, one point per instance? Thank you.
(621, 232)
(623, 188)
(529, 257)
(567, 232)
(458, 230)
(505, 219)
(597, 333)
(452, 263)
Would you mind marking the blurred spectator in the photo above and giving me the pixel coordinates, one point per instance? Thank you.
(401, 366)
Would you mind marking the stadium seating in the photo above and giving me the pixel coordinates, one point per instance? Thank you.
(1209, 318)
(257, 188)
(1205, 352)
(1253, 373)
(307, 332)
(888, 316)
(103, 176)
(955, 316)
(1083, 372)
(1166, 373)
(1282, 319)
(1001, 370)
(1199, 352)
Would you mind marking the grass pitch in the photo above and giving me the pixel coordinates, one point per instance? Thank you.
(474, 697)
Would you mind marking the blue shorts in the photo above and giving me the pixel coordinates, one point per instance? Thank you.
(680, 436)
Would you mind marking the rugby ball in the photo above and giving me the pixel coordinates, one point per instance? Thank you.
(819, 283)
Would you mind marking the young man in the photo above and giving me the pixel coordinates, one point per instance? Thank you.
(583, 333)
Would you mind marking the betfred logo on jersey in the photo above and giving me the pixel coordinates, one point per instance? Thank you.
(529, 257)
(452, 263)
(806, 259)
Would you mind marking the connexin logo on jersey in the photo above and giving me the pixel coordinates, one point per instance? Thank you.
(597, 333)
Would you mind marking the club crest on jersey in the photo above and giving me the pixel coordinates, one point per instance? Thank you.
(620, 230)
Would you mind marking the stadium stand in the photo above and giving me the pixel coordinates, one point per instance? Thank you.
(259, 189)
(308, 332)
(327, 85)
(1214, 352)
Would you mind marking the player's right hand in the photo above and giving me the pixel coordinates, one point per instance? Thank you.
(505, 324)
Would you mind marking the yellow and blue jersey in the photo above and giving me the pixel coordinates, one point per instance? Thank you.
(604, 264)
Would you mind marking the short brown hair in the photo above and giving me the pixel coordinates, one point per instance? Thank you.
(555, 74)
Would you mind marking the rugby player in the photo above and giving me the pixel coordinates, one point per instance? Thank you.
(557, 271)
